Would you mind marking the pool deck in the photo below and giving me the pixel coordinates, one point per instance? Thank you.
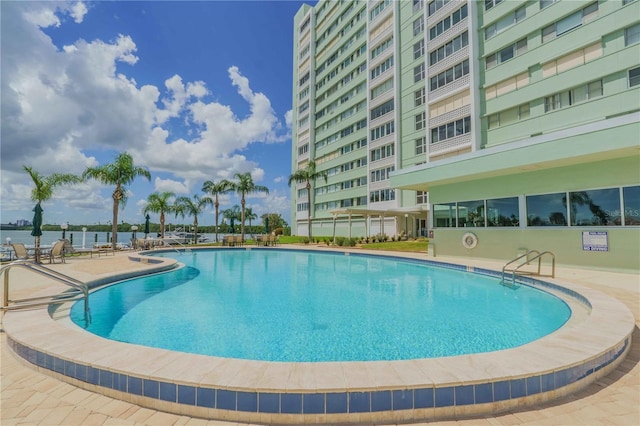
(31, 397)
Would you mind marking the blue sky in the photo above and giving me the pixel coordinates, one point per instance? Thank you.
(193, 90)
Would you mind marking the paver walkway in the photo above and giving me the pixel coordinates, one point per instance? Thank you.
(32, 398)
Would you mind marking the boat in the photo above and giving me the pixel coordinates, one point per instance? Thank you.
(181, 237)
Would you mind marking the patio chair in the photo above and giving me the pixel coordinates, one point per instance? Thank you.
(20, 251)
(68, 247)
(57, 251)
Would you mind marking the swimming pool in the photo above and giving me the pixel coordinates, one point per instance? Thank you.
(278, 305)
(589, 346)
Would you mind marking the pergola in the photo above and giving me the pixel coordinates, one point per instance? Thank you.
(406, 212)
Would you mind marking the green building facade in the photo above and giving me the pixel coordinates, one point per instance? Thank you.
(495, 127)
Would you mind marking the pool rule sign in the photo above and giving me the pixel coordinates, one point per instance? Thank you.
(595, 241)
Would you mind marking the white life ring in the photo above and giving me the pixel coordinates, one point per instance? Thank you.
(469, 240)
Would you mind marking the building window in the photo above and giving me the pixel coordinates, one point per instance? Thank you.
(449, 48)
(377, 10)
(382, 195)
(572, 60)
(545, 3)
(451, 130)
(503, 212)
(382, 47)
(303, 149)
(418, 49)
(444, 215)
(632, 35)
(383, 130)
(418, 73)
(631, 198)
(302, 207)
(547, 210)
(436, 5)
(471, 214)
(417, 5)
(570, 22)
(599, 207)
(381, 110)
(450, 75)
(504, 23)
(419, 96)
(573, 96)
(421, 145)
(450, 104)
(507, 53)
(488, 4)
(418, 26)
(421, 120)
(382, 152)
(381, 174)
(508, 116)
(634, 77)
(448, 22)
(507, 86)
(382, 68)
(383, 88)
(422, 197)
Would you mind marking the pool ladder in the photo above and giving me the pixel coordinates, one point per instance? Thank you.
(186, 249)
(79, 290)
(527, 261)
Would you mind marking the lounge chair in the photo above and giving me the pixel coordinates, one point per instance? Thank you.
(20, 250)
(69, 249)
(57, 251)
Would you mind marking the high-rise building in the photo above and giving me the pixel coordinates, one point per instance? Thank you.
(495, 127)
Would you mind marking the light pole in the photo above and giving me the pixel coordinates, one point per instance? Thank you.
(84, 235)
(64, 227)
(406, 225)
(134, 229)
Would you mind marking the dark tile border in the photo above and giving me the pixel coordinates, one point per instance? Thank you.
(379, 400)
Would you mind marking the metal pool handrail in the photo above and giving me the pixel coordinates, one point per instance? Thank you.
(79, 289)
(186, 249)
(538, 256)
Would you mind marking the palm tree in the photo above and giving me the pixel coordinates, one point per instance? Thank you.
(214, 189)
(232, 215)
(245, 186)
(250, 215)
(120, 173)
(307, 175)
(43, 191)
(158, 202)
(192, 207)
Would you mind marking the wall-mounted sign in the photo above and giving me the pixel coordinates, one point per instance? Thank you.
(595, 241)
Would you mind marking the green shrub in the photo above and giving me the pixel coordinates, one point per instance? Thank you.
(305, 240)
(340, 241)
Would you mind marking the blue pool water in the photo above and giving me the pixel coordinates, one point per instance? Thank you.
(298, 306)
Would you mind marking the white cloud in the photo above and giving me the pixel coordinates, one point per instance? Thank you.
(78, 11)
(58, 103)
(279, 179)
(275, 202)
(288, 119)
(170, 185)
